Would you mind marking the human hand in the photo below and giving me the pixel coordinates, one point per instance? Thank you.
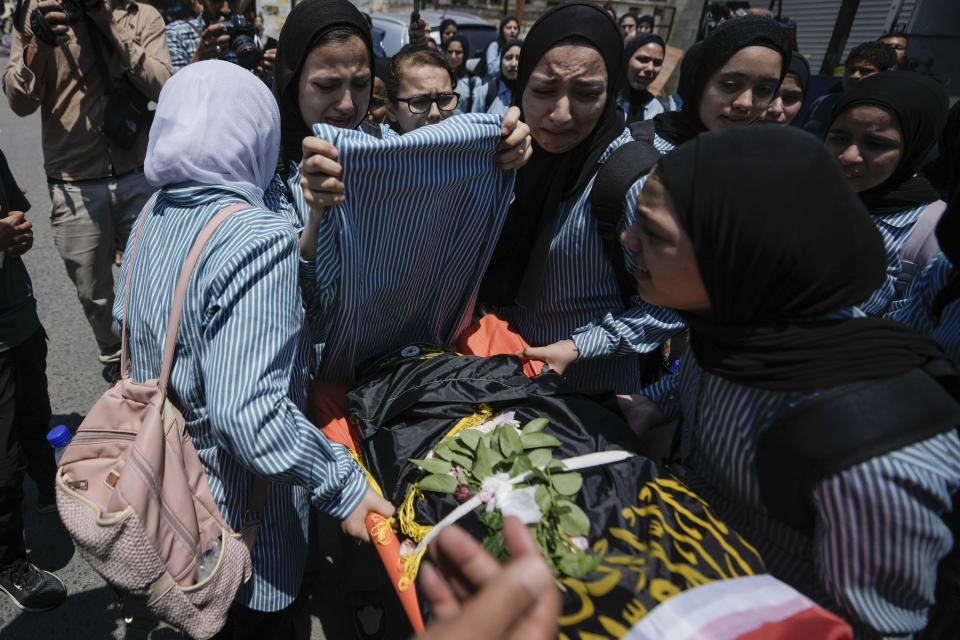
(558, 355)
(16, 233)
(490, 601)
(355, 524)
(419, 33)
(320, 174)
(57, 23)
(213, 43)
(265, 70)
(516, 147)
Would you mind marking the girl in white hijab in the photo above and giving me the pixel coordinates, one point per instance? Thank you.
(240, 372)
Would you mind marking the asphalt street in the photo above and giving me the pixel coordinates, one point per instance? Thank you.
(75, 383)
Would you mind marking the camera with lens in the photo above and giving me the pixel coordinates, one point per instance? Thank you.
(76, 8)
(242, 33)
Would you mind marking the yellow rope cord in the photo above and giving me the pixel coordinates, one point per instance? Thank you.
(410, 564)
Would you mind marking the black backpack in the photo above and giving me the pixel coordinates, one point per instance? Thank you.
(848, 425)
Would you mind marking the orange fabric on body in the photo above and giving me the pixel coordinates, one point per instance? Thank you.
(492, 336)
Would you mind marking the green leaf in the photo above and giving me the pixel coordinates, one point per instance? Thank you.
(535, 426)
(433, 465)
(540, 457)
(495, 545)
(457, 447)
(510, 442)
(441, 483)
(537, 440)
(542, 496)
(574, 522)
(469, 438)
(482, 468)
(555, 465)
(443, 450)
(567, 483)
(464, 461)
(520, 465)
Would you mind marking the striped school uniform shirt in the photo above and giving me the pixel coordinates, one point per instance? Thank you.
(879, 534)
(400, 260)
(916, 308)
(652, 108)
(500, 102)
(579, 299)
(895, 229)
(240, 373)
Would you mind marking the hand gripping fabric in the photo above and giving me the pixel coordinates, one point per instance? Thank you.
(132, 492)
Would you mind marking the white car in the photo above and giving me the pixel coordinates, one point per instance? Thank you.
(394, 29)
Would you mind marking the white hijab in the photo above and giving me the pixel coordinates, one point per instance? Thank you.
(216, 123)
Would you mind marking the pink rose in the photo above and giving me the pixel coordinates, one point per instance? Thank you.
(484, 496)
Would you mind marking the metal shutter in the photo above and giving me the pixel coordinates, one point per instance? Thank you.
(815, 20)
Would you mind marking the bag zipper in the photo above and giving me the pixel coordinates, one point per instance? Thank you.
(99, 436)
(143, 469)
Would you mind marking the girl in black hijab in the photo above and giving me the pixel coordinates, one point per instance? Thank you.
(790, 96)
(709, 104)
(457, 49)
(643, 67)
(549, 275)
(313, 24)
(509, 29)
(496, 95)
(882, 130)
(768, 297)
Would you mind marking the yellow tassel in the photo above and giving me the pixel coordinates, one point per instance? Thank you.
(469, 422)
(409, 568)
(406, 514)
(370, 479)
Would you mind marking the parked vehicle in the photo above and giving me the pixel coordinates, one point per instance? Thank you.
(394, 28)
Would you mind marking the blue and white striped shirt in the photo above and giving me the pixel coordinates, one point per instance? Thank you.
(500, 103)
(895, 229)
(579, 299)
(240, 373)
(653, 107)
(401, 259)
(916, 308)
(879, 535)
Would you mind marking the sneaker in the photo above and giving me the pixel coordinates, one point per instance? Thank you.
(111, 373)
(31, 588)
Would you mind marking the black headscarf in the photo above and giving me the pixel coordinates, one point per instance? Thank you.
(638, 98)
(705, 58)
(948, 236)
(919, 105)
(770, 271)
(446, 22)
(800, 68)
(547, 179)
(309, 21)
(512, 84)
(465, 44)
(646, 18)
(502, 39)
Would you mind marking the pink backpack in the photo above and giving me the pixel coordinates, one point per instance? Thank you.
(133, 494)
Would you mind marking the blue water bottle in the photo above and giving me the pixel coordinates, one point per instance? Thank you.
(59, 437)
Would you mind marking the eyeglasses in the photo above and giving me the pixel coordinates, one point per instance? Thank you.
(421, 104)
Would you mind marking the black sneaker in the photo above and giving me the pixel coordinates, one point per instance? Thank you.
(111, 373)
(31, 588)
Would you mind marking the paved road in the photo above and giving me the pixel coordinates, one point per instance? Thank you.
(75, 383)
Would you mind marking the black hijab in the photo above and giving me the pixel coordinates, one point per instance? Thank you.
(772, 273)
(512, 84)
(638, 98)
(948, 237)
(309, 21)
(919, 105)
(548, 178)
(465, 44)
(705, 58)
(800, 68)
(502, 39)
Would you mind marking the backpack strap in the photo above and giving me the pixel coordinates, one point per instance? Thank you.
(173, 325)
(643, 131)
(843, 427)
(920, 247)
(614, 179)
(493, 87)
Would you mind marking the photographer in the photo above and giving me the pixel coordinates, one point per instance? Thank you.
(222, 31)
(91, 68)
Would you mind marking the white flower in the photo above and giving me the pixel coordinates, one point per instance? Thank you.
(580, 542)
(407, 547)
(521, 503)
